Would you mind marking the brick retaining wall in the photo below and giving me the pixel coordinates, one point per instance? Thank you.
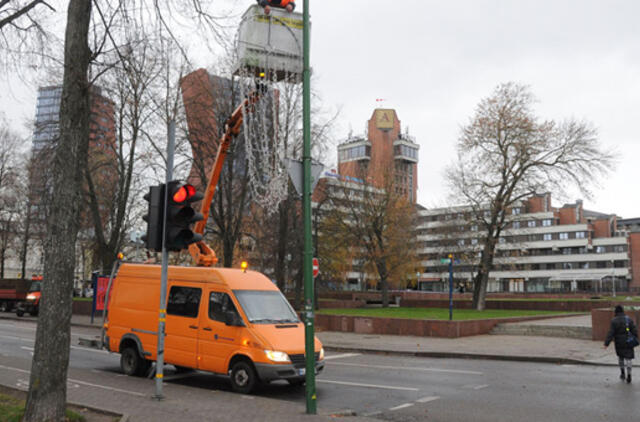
(411, 327)
(601, 321)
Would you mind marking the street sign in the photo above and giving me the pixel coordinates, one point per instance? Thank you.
(316, 267)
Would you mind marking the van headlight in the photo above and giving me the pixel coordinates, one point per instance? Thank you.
(276, 356)
(31, 297)
(321, 354)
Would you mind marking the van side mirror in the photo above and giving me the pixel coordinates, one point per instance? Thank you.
(233, 319)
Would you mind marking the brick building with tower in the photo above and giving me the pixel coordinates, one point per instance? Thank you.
(384, 157)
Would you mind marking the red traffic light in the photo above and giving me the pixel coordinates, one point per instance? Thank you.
(184, 193)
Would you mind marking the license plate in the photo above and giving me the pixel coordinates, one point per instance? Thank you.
(301, 371)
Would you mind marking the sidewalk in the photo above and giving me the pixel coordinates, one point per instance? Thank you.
(501, 347)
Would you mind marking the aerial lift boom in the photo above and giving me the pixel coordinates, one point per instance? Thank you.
(202, 254)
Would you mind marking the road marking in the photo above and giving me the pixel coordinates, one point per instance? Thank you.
(372, 414)
(29, 349)
(15, 326)
(428, 399)
(355, 384)
(480, 387)
(15, 369)
(402, 406)
(17, 338)
(408, 368)
(107, 388)
(135, 393)
(343, 355)
(88, 349)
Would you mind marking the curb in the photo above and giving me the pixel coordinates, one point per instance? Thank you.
(479, 356)
(23, 319)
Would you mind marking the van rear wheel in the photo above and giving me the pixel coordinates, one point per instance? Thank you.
(132, 363)
(243, 377)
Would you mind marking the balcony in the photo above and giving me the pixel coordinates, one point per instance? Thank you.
(354, 151)
(405, 150)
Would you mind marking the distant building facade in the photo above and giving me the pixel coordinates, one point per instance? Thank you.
(542, 249)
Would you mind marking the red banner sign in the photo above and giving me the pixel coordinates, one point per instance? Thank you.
(101, 292)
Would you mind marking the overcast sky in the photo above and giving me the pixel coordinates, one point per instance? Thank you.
(434, 61)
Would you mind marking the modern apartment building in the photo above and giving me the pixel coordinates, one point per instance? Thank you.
(102, 160)
(542, 249)
(47, 121)
(383, 157)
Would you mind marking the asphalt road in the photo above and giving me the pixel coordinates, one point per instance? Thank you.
(385, 387)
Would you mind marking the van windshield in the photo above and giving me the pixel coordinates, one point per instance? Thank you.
(265, 306)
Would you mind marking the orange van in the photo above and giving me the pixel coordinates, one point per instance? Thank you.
(222, 320)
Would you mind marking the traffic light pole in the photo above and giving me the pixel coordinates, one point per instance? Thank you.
(450, 287)
(310, 367)
(162, 314)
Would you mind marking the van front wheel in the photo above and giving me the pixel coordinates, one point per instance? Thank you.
(243, 377)
(132, 364)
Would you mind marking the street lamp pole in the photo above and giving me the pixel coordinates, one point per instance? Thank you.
(613, 277)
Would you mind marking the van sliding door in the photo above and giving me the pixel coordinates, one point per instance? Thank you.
(181, 341)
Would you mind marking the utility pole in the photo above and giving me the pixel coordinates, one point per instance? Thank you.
(306, 217)
(162, 314)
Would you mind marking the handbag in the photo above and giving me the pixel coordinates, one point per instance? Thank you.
(632, 341)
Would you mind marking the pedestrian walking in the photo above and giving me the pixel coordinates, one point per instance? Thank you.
(621, 327)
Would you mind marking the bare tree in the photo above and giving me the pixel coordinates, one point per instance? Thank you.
(10, 190)
(505, 154)
(47, 389)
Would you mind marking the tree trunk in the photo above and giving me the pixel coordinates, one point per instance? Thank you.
(25, 241)
(227, 250)
(283, 238)
(482, 277)
(2, 254)
(384, 285)
(46, 400)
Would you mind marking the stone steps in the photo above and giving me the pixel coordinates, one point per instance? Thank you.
(583, 333)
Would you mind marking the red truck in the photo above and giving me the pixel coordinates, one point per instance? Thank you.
(12, 292)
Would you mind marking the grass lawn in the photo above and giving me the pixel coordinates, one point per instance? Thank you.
(11, 410)
(435, 313)
(82, 299)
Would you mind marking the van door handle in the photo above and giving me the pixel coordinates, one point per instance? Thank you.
(195, 327)
(207, 329)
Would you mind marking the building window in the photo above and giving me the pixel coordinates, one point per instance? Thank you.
(460, 242)
(563, 236)
(547, 236)
(474, 228)
(546, 222)
(516, 211)
(531, 223)
(474, 241)
(502, 240)
(515, 224)
(580, 235)
(600, 249)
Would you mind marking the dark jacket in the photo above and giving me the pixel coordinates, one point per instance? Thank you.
(618, 333)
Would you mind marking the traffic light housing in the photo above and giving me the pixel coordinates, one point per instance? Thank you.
(154, 218)
(180, 216)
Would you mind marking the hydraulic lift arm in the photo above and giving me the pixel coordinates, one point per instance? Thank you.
(202, 254)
